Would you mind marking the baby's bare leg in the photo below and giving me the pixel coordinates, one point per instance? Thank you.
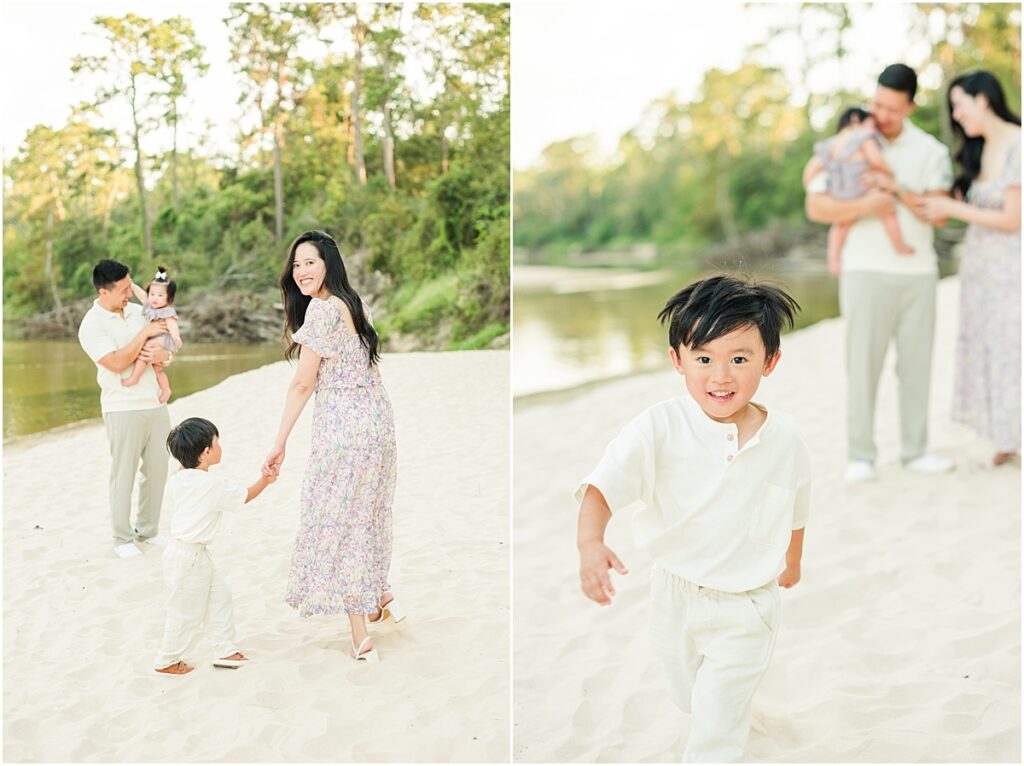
(892, 229)
(163, 382)
(836, 239)
(140, 367)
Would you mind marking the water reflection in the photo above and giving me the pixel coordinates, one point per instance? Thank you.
(563, 337)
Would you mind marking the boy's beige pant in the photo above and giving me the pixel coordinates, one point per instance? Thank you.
(195, 594)
(715, 648)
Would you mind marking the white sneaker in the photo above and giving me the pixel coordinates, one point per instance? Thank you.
(859, 470)
(127, 550)
(931, 464)
(157, 539)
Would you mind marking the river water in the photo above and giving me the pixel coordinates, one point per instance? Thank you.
(574, 326)
(48, 384)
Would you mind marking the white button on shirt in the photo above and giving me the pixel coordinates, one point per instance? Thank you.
(707, 512)
(102, 332)
(920, 163)
(196, 500)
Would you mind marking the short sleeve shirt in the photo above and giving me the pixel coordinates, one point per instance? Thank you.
(102, 332)
(711, 513)
(196, 501)
(920, 163)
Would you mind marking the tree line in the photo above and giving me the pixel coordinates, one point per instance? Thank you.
(413, 182)
(729, 161)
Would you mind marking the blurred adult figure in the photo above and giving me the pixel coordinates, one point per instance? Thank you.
(886, 295)
(986, 195)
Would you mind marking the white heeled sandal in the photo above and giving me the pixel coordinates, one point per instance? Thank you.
(370, 655)
(392, 608)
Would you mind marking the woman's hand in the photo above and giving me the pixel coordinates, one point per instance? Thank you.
(936, 208)
(272, 465)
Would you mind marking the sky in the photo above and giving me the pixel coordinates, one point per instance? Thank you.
(39, 38)
(578, 68)
(589, 67)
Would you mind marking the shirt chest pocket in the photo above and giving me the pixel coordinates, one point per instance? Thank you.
(773, 516)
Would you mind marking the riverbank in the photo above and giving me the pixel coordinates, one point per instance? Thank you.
(901, 642)
(81, 626)
(257, 318)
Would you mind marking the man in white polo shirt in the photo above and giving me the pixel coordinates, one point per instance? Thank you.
(114, 333)
(884, 295)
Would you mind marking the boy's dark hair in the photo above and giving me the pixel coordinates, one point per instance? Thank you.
(846, 118)
(718, 305)
(189, 439)
(899, 77)
(106, 273)
(162, 279)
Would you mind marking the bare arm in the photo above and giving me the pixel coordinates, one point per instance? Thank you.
(124, 357)
(1006, 218)
(139, 293)
(299, 391)
(823, 208)
(811, 169)
(172, 328)
(596, 558)
(791, 574)
(873, 155)
(258, 486)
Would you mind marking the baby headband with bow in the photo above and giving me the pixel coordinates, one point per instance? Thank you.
(161, 276)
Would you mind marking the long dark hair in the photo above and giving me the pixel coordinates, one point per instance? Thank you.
(969, 155)
(336, 282)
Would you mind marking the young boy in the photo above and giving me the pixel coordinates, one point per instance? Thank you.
(723, 489)
(196, 592)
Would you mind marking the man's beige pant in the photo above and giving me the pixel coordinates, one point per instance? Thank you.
(715, 648)
(878, 308)
(196, 594)
(134, 436)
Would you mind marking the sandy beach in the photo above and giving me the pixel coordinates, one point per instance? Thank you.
(81, 627)
(901, 642)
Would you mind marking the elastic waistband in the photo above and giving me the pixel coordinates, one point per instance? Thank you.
(692, 587)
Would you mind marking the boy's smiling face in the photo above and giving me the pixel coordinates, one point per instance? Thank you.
(723, 375)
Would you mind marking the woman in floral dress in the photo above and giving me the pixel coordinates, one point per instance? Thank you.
(343, 548)
(986, 393)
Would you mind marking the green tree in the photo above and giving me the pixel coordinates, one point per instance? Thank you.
(263, 42)
(128, 68)
(179, 56)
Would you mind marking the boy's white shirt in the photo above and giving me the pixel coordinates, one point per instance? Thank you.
(715, 515)
(920, 163)
(196, 500)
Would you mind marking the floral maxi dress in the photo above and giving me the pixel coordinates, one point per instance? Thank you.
(343, 547)
(986, 384)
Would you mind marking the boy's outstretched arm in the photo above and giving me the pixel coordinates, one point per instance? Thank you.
(791, 574)
(258, 486)
(596, 558)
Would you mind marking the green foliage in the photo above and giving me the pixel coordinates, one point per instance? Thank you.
(730, 161)
(440, 233)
